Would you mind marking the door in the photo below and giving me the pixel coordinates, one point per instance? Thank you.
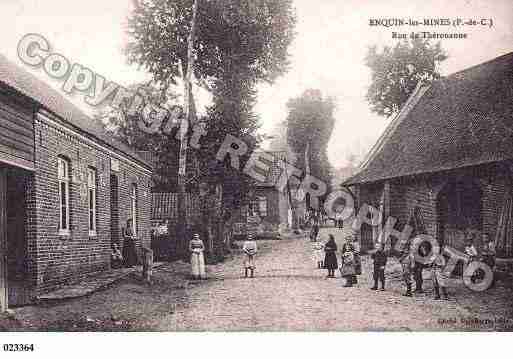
(114, 211)
(3, 236)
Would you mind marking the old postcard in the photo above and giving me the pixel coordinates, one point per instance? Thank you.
(184, 166)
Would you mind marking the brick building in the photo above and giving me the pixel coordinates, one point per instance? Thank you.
(446, 160)
(66, 190)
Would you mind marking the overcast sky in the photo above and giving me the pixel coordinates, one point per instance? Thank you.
(328, 53)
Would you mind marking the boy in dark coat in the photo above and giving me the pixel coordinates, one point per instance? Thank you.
(380, 261)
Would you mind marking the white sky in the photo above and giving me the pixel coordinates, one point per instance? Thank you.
(328, 53)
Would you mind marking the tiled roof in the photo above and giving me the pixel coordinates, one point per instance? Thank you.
(462, 120)
(30, 86)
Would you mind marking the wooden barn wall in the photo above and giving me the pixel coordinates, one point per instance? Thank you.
(16, 131)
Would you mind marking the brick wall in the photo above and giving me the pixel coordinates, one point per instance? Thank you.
(423, 191)
(61, 259)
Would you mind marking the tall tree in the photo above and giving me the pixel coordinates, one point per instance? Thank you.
(310, 123)
(124, 126)
(238, 44)
(397, 70)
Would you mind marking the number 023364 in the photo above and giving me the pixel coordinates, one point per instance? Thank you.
(18, 347)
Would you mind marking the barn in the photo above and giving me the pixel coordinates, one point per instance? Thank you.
(445, 162)
(66, 190)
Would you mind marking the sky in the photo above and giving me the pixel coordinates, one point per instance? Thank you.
(327, 54)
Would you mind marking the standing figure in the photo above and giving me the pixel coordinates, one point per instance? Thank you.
(250, 250)
(347, 267)
(315, 228)
(357, 259)
(419, 267)
(380, 261)
(438, 275)
(489, 251)
(196, 247)
(318, 254)
(330, 258)
(129, 254)
(407, 262)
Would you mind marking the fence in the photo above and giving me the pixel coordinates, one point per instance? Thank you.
(165, 206)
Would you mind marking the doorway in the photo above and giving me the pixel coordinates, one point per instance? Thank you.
(13, 236)
(114, 211)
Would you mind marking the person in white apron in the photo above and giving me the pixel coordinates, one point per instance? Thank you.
(318, 254)
(197, 248)
(250, 250)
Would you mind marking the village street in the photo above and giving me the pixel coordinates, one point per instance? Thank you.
(288, 294)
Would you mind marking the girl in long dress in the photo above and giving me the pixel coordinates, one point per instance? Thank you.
(330, 258)
(197, 248)
(318, 254)
(129, 255)
(347, 269)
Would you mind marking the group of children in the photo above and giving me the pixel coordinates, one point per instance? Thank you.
(325, 257)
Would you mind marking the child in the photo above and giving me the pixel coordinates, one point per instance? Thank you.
(380, 261)
(318, 254)
(250, 250)
(116, 256)
(438, 275)
(347, 268)
(470, 249)
(330, 258)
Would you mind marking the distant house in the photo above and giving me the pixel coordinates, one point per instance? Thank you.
(269, 210)
(446, 160)
(66, 190)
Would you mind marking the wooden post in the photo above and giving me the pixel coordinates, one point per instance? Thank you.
(3, 239)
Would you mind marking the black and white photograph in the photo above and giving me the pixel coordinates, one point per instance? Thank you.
(255, 174)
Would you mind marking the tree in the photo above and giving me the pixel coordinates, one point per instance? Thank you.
(238, 44)
(310, 123)
(124, 126)
(397, 70)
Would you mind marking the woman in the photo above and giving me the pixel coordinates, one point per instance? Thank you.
(330, 258)
(197, 248)
(129, 255)
(347, 268)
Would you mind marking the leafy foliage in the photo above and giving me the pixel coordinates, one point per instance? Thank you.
(252, 35)
(397, 70)
(238, 44)
(310, 121)
(124, 126)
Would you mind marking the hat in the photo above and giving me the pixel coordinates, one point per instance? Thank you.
(196, 236)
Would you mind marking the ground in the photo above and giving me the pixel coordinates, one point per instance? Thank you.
(288, 293)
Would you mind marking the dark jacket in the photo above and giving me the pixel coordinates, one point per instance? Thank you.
(380, 259)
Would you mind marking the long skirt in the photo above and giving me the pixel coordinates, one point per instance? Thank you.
(330, 260)
(198, 265)
(129, 255)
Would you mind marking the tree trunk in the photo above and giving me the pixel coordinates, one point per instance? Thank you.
(181, 228)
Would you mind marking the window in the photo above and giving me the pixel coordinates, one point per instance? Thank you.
(63, 177)
(91, 200)
(133, 197)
